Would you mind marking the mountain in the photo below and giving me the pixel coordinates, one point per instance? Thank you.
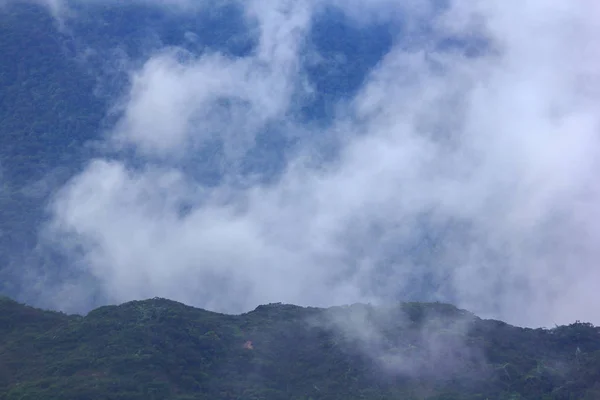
(61, 80)
(161, 349)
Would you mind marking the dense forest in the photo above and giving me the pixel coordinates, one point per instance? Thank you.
(161, 349)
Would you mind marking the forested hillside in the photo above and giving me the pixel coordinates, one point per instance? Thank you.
(160, 349)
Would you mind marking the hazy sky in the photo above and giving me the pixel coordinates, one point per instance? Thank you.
(451, 175)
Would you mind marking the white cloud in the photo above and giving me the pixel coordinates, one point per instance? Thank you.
(174, 105)
(504, 146)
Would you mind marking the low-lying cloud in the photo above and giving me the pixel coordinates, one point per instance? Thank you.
(455, 177)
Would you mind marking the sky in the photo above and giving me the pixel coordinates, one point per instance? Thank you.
(460, 167)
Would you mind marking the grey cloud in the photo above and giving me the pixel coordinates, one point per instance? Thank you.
(412, 340)
(493, 154)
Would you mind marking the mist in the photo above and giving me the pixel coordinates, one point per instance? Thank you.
(460, 169)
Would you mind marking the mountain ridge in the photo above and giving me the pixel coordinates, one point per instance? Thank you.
(164, 349)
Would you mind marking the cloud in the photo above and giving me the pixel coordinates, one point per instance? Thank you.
(174, 104)
(412, 340)
(455, 177)
(57, 8)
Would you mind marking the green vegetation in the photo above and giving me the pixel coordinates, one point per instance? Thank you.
(160, 349)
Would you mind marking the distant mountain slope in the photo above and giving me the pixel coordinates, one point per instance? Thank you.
(48, 110)
(58, 83)
(160, 349)
(47, 103)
